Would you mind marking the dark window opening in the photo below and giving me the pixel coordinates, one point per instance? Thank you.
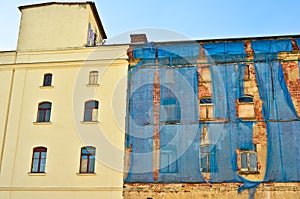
(47, 80)
(87, 159)
(91, 111)
(44, 112)
(39, 160)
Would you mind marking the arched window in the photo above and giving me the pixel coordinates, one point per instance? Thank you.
(93, 78)
(44, 112)
(206, 108)
(246, 107)
(87, 159)
(91, 111)
(39, 160)
(47, 79)
(170, 110)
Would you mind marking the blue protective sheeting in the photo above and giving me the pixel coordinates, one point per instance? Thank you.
(268, 49)
(225, 51)
(282, 124)
(186, 142)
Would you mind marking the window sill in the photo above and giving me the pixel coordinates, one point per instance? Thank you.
(36, 174)
(46, 87)
(89, 122)
(248, 118)
(86, 174)
(93, 85)
(42, 123)
(169, 122)
(248, 172)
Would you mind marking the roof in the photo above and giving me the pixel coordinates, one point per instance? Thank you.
(92, 4)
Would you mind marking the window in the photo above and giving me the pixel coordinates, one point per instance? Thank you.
(91, 111)
(39, 160)
(246, 107)
(206, 108)
(170, 110)
(207, 158)
(168, 160)
(93, 78)
(47, 80)
(44, 112)
(87, 159)
(249, 161)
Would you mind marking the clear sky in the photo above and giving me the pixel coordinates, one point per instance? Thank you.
(195, 19)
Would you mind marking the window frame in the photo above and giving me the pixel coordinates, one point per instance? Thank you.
(45, 111)
(41, 167)
(207, 105)
(90, 111)
(47, 81)
(91, 159)
(209, 156)
(248, 100)
(93, 78)
(249, 169)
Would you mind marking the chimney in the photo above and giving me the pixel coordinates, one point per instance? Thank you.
(138, 38)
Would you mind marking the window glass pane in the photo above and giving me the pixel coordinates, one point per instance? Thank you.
(253, 162)
(244, 161)
(92, 165)
(204, 165)
(88, 115)
(47, 116)
(47, 80)
(36, 155)
(245, 99)
(205, 101)
(35, 165)
(44, 154)
(45, 105)
(41, 116)
(83, 166)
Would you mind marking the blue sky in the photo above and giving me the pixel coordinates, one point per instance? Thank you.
(195, 19)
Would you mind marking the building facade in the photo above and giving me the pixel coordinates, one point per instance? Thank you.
(213, 119)
(62, 108)
(152, 120)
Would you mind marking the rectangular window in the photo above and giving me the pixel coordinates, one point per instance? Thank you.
(39, 160)
(249, 161)
(87, 160)
(168, 161)
(93, 78)
(207, 158)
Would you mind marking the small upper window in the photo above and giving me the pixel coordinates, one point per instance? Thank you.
(44, 112)
(93, 78)
(39, 160)
(246, 107)
(87, 160)
(206, 108)
(47, 80)
(91, 111)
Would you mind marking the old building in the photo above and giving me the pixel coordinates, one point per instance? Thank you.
(213, 119)
(62, 106)
(201, 119)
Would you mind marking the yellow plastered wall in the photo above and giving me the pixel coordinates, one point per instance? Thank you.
(54, 26)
